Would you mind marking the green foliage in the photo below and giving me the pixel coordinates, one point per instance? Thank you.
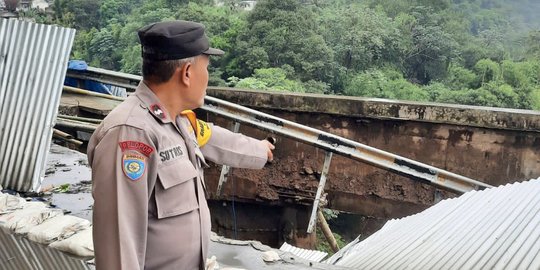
(384, 84)
(271, 79)
(520, 74)
(216, 80)
(316, 87)
(404, 90)
(460, 78)
(535, 99)
(285, 32)
(251, 83)
(431, 47)
(102, 50)
(131, 60)
(487, 70)
(479, 97)
(477, 52)
(80, 14)
(360, 37)
(330, 213)
(435, 90)
(371, 83)
(322, 243)
(115, 9)
(533, 45)
(64, 188)
(504, 93)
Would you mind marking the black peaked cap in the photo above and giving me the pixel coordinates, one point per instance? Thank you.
(174, 40)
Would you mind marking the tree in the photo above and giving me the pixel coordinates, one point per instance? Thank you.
(384, 84)
(287, 32)
(478, 52)
(533, 45)
(271, 79)
(487, 70)
(431, 48)
(114, 9)
(102, 50)
(223, 26)
(535, 99)
(80, 14)
(360, 37)
(131, 60)
(461, 78)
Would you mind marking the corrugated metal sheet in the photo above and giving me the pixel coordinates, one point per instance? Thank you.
(33, 62)
(498, 228)
(310, 255)
(17, 253)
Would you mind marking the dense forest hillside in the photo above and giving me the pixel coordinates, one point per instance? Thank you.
(478, 52)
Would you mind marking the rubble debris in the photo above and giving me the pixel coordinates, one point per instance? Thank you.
(270, 256)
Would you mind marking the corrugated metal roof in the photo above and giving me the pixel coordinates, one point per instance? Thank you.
(18, 253)
(310, 255)
(33, 62)
(497, 228)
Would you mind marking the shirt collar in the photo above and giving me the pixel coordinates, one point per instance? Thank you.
(152, 103)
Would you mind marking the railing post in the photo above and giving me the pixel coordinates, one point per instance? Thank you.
(320, 189)
(225, 169)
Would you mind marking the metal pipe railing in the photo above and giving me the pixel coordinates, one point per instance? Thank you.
(74, 90)
(324, 140)
(345, 147)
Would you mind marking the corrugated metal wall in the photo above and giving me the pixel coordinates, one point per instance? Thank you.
(17, 253)
(33, 62)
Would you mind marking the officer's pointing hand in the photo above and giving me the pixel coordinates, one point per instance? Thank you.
(270, 147)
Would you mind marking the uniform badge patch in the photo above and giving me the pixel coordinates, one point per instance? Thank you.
(157, 111)
(133, 166)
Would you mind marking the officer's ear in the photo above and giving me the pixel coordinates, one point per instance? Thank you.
(185, 73)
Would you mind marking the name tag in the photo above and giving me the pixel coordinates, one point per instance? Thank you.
(171, 153)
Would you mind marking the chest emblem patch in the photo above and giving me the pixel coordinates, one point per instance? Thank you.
(133, 166)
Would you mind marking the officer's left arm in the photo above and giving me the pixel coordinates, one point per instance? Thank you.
(235, 149)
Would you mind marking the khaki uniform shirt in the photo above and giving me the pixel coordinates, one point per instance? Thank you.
(150, 210)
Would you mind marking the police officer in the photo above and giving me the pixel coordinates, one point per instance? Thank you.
(147, 157)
